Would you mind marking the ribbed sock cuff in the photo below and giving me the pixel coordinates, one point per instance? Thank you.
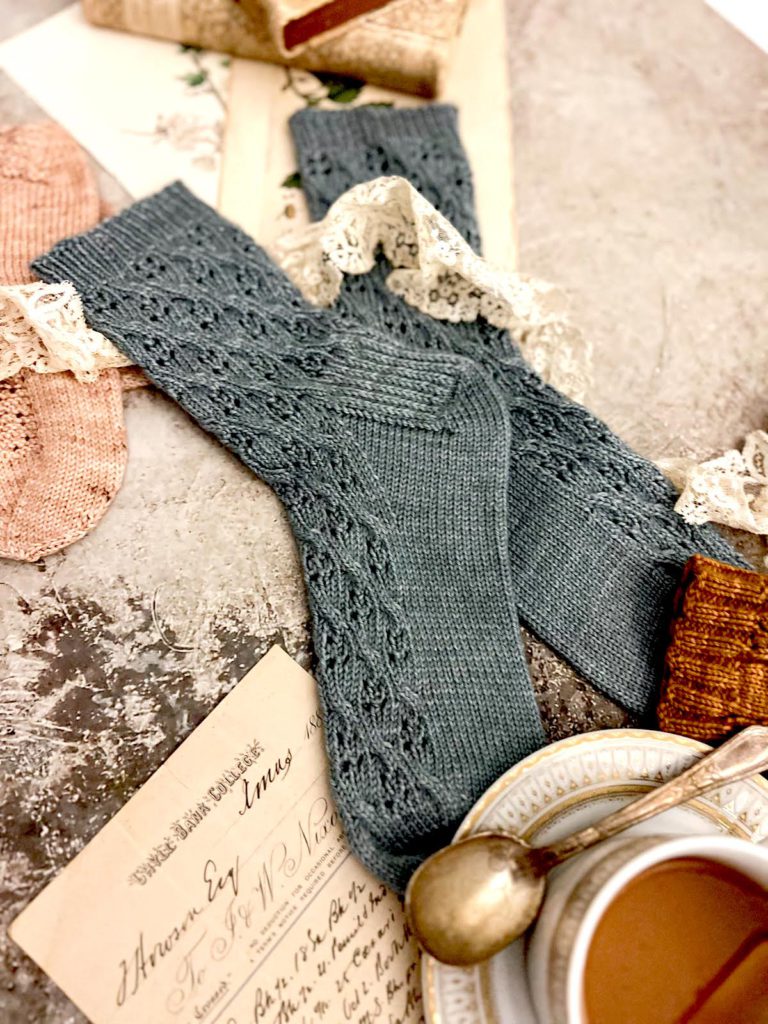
(716, 667)
(106, 251)
(334, 130)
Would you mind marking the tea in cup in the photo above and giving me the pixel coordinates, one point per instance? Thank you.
(655, 930)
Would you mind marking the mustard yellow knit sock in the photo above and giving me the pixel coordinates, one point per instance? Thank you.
(716, 667)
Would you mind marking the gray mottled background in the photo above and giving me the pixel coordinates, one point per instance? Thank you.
(641, 147)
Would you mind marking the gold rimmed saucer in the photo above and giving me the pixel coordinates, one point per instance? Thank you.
(556, 791)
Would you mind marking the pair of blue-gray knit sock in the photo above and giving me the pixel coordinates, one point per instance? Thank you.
(438, 490)
(595, 546)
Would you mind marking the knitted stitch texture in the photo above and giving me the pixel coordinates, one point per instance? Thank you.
(48, 192)
(595, 545)
(392, 466)
(62, 441)
(62, 453)
(716, 668)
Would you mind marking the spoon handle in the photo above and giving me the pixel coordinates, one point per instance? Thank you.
(743, 755)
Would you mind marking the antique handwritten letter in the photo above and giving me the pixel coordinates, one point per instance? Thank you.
(224, 890)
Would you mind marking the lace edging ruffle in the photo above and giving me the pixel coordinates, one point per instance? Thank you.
(437, 272)
(42, 328)
(731, 489)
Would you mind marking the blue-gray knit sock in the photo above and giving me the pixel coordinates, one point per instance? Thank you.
(596, 546)
(393, 468)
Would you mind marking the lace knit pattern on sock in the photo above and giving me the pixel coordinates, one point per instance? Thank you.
(437, 272)
(223, 332)
(425, 149)
(575, 487)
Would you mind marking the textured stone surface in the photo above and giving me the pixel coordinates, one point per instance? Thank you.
(111, 653)
(641, 143)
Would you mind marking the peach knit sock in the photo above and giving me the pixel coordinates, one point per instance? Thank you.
(62, 441)
(47, 192)
(716, 668)
(62, 454)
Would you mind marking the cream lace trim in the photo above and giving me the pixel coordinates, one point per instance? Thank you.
(437, 272)
(731, 489)
(42, 327)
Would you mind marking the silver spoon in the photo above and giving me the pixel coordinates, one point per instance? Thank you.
(471, 899)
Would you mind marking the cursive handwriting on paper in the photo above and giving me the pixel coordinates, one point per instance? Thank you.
(252, 909)
(253, 791)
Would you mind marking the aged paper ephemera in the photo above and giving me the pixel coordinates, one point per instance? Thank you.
(224, 890)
